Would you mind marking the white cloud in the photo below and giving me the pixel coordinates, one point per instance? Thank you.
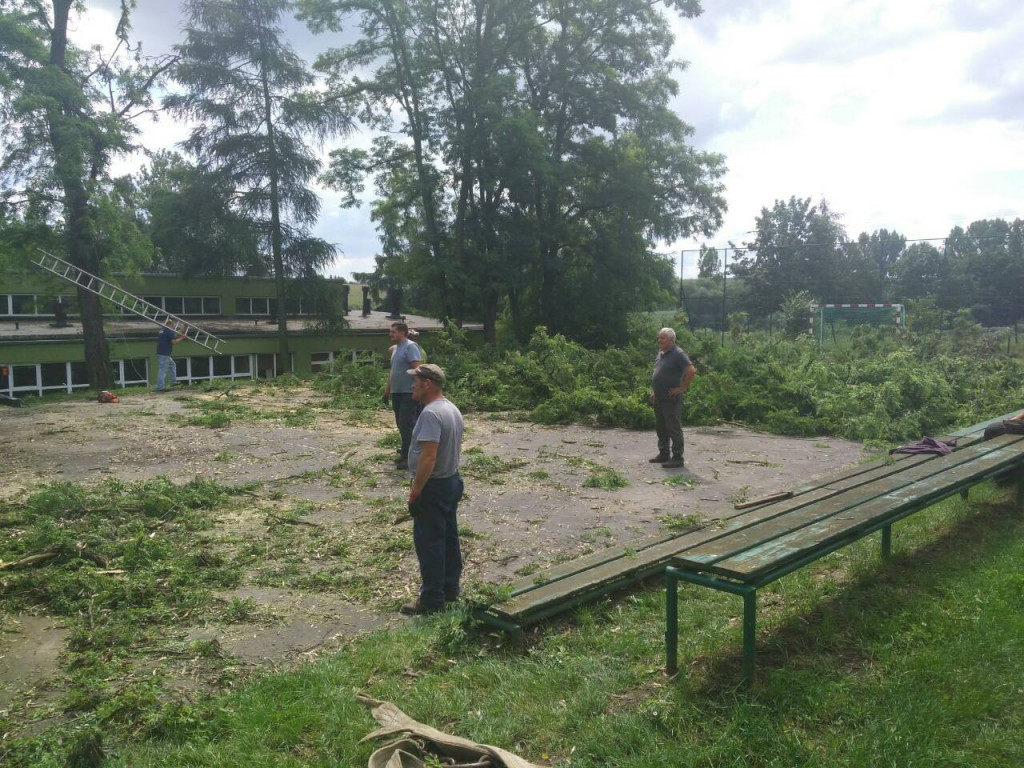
(904, 115)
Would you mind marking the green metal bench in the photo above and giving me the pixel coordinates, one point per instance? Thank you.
(752, 550)
(567, 585)
(562, 587)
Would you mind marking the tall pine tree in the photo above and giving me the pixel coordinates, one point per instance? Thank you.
(249, 93)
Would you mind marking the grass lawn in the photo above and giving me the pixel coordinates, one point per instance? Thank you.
(912, 663)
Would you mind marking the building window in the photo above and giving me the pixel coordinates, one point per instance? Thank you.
(54, 375)
(37, 378)
(183, 305)
(221, 366)
(132, 371)
(214, 367)
(255, 305)
(320, 360)
(174, 305)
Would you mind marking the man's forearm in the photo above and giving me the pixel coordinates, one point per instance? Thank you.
(424, 469)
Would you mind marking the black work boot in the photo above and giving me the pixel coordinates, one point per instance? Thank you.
(674, 463)
(661, 458)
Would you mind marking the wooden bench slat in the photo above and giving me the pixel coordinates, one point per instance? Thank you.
(560, 571)
(748, 564)
(520, 606)
(723, 547)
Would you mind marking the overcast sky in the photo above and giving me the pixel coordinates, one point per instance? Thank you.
(903, 114)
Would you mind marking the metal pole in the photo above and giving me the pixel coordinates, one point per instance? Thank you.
(682, 255)
(671, 623)
(725, 270)
(749, 635)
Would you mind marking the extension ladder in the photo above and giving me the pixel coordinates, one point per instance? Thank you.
(123, 299)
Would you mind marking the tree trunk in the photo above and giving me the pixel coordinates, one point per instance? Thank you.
(276, 244)
(491, 318)
(410, 101)
(69, 165)
(517, 315)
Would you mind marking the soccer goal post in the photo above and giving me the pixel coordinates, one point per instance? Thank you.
(849, 315)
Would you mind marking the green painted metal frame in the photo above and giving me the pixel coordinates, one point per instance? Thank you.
(748, 589)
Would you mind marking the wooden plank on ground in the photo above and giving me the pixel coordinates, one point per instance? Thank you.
(755, 536)
(748, 564)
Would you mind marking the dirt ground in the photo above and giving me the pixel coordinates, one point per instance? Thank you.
(526, 511)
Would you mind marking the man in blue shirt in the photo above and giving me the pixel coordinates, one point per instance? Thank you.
(168, 336)
(398, 392)
(672, 375)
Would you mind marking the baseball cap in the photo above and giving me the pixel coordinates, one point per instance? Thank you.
(428, 371)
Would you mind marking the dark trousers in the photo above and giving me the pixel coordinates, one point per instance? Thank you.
(405, 418)
(668, 423)
(435, 532)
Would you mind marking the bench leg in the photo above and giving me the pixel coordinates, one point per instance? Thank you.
(965, 494)
(671, 623)
(1020, 489)
(887, 542)
(749, 633)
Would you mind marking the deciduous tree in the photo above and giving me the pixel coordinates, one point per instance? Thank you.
(67, 113)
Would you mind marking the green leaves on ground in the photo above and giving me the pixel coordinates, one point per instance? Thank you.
(879, 387)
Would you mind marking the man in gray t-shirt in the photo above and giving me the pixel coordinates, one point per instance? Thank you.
(434, 457)
(672, 375)
(399, 387)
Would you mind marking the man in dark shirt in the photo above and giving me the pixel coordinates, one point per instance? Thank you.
(168, 336)
(672, 375)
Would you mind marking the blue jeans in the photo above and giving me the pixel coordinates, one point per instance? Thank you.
(435, 532)
(405, 419)
(166, 364)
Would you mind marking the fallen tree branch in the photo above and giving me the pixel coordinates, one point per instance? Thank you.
(25, 562)
(43, 557)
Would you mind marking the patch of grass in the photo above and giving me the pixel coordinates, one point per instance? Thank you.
(594, 534)
(239, 611)
(229, 407)
(478, 465)
(687, 482)
(677, 522)
(606, 478)
(224, 456)
(467, 532)
(740, 495)
(122, 565)
(539, 474)
(844, 638)
(391, 440)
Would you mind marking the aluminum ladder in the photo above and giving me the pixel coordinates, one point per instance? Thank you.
(125, 300)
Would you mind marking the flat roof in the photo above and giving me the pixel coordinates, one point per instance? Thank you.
(44, 329)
